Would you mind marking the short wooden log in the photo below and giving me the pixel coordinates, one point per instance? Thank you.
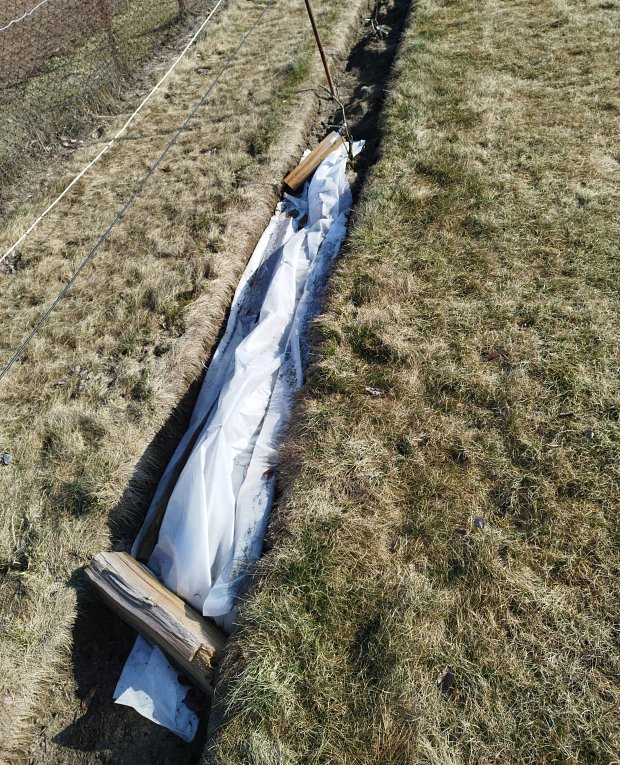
(304, 170)
(130, 590)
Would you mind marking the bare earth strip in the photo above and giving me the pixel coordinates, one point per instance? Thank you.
(444, 576)
(116, 362)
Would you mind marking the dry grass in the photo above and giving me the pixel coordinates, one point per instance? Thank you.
(107, 370)
(467, 518)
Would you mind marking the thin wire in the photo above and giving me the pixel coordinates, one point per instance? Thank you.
(23, 16)
(134, 195)
(110, 143)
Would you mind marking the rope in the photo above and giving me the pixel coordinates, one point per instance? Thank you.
(23, 16)
(110, 143)
(134, 195)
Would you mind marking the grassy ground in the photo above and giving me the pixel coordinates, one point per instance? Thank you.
(115, 364)
(444, 583)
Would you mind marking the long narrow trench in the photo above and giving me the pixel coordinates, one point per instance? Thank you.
(104, 732)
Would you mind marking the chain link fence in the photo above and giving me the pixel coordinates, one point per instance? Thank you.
(63, 59)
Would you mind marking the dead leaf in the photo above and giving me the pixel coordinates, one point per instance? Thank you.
(373, 391)
(445, 680)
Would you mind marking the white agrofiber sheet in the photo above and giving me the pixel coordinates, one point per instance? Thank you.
(220, 481)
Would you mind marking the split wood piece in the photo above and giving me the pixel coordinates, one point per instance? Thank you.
(131, 591)
(304, 170)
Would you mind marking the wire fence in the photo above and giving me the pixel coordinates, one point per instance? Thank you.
(61, 60)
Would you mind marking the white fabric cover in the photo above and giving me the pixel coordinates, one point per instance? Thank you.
(220, 480)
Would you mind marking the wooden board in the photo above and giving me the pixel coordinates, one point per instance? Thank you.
(130, 590)
(304, 170)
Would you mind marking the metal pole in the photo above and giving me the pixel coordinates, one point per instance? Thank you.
(319, 43)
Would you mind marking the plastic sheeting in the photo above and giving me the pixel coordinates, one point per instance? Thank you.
(220, 481)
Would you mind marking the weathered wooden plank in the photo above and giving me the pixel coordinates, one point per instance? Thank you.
(130, 590)
(304, 170)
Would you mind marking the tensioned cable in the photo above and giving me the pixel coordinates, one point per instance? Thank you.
(134, 194)
(112, 141)
(24, 15)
